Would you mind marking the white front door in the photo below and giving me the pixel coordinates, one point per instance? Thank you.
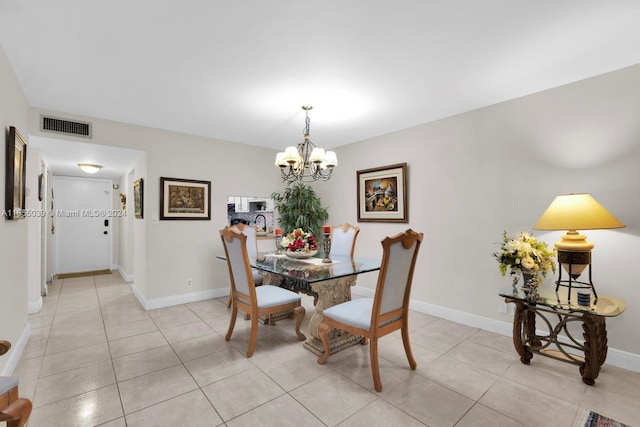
(83, 224)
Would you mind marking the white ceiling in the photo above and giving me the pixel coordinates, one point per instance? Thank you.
(240, 71)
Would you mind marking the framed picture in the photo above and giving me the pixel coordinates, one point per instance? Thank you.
(382, 194)
(14, 199)
(41, 187)
(138, 188)
(185, 199)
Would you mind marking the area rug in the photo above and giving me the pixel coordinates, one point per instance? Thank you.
(596, 420)
(82, 274)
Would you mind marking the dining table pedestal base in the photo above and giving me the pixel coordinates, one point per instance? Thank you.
(326, 293)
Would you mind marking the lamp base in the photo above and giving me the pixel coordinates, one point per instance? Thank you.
(574, 263)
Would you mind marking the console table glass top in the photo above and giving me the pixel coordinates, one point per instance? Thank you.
(547, 296)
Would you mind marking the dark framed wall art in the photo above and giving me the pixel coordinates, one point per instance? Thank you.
(185, 199)
(382, 194)
(16, 175)
(138, 200)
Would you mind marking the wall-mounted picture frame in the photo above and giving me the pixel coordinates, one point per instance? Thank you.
(185, 199)
(382, 194)
(138, 200)
(40, 187)
(15, 191)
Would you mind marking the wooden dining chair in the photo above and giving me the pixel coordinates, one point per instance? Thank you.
(387, 311)
(343, 239)
(14, 410)
(255, 301)
(252, 249)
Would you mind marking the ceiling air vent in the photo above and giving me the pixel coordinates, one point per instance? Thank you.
(67, 127)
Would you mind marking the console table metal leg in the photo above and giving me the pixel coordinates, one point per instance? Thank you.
(521, 328)
(595, 347)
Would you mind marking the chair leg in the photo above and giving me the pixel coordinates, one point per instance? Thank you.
(375, 366)
(323, 332)
(232, 322)
(299, 312)
(407, 348)
(229, 299)
(254, 334)
(17, 413)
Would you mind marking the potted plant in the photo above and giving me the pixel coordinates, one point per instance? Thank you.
(299, 207)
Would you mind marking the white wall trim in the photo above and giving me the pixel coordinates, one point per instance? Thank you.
(619, 358)
(16, 351)
(154, 303)
(35, 307)
(129, 278)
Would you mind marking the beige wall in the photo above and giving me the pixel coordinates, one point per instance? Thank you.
(498, 168)
(13, 234)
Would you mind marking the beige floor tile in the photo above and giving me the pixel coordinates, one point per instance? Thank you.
(178, 319)
(136, 343)
(185, 332)
(73, 359)
(70, 383)
(523, 403)
(198, 347)
(465, 379)
(429, 402)
(74, 340)
(483, 357)
(620, 406)
(241, 393)
(87, 409)
(144, 362)
(169, 311)
(136, 327)
(218, 366)
(28, 369)
(190, 409)
(481, 416)
(282, 411)
(380, 413)
(147, 390)
(358, 369)
(441, 335)
(345, 399)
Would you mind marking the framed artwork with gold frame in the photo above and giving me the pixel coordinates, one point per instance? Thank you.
(15, 190)
(382, 194)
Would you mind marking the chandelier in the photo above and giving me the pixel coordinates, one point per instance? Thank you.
(306, 162)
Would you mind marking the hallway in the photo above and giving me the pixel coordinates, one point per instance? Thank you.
(96, 357)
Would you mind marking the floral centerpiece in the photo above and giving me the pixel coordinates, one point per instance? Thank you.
(523, 254)
(300, 242)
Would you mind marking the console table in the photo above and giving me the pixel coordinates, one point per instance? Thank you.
(556, 311)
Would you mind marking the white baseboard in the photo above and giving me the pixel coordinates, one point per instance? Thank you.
(150, 304)
(129, 278)
(16, 351)
(35, 307)
(619, 358)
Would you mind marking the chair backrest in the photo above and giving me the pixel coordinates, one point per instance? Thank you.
(393, 290)
(343, 239)
(235, 249)
(249, 231)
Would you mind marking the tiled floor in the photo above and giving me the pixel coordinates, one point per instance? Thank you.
(97, 358)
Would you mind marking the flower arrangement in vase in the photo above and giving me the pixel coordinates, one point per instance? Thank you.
(523, 254)
(300, 244)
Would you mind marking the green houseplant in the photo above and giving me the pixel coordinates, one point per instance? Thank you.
(299, 207)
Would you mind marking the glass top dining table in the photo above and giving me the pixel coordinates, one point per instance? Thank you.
(313, 269)
(328, 283)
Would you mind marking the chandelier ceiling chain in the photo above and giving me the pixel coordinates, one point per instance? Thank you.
(306, 162)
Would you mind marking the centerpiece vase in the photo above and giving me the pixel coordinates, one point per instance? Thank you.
(529, 284)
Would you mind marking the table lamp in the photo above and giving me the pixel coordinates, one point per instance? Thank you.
(574, 212)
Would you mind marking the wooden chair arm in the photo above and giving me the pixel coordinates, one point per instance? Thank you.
(4, 347)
